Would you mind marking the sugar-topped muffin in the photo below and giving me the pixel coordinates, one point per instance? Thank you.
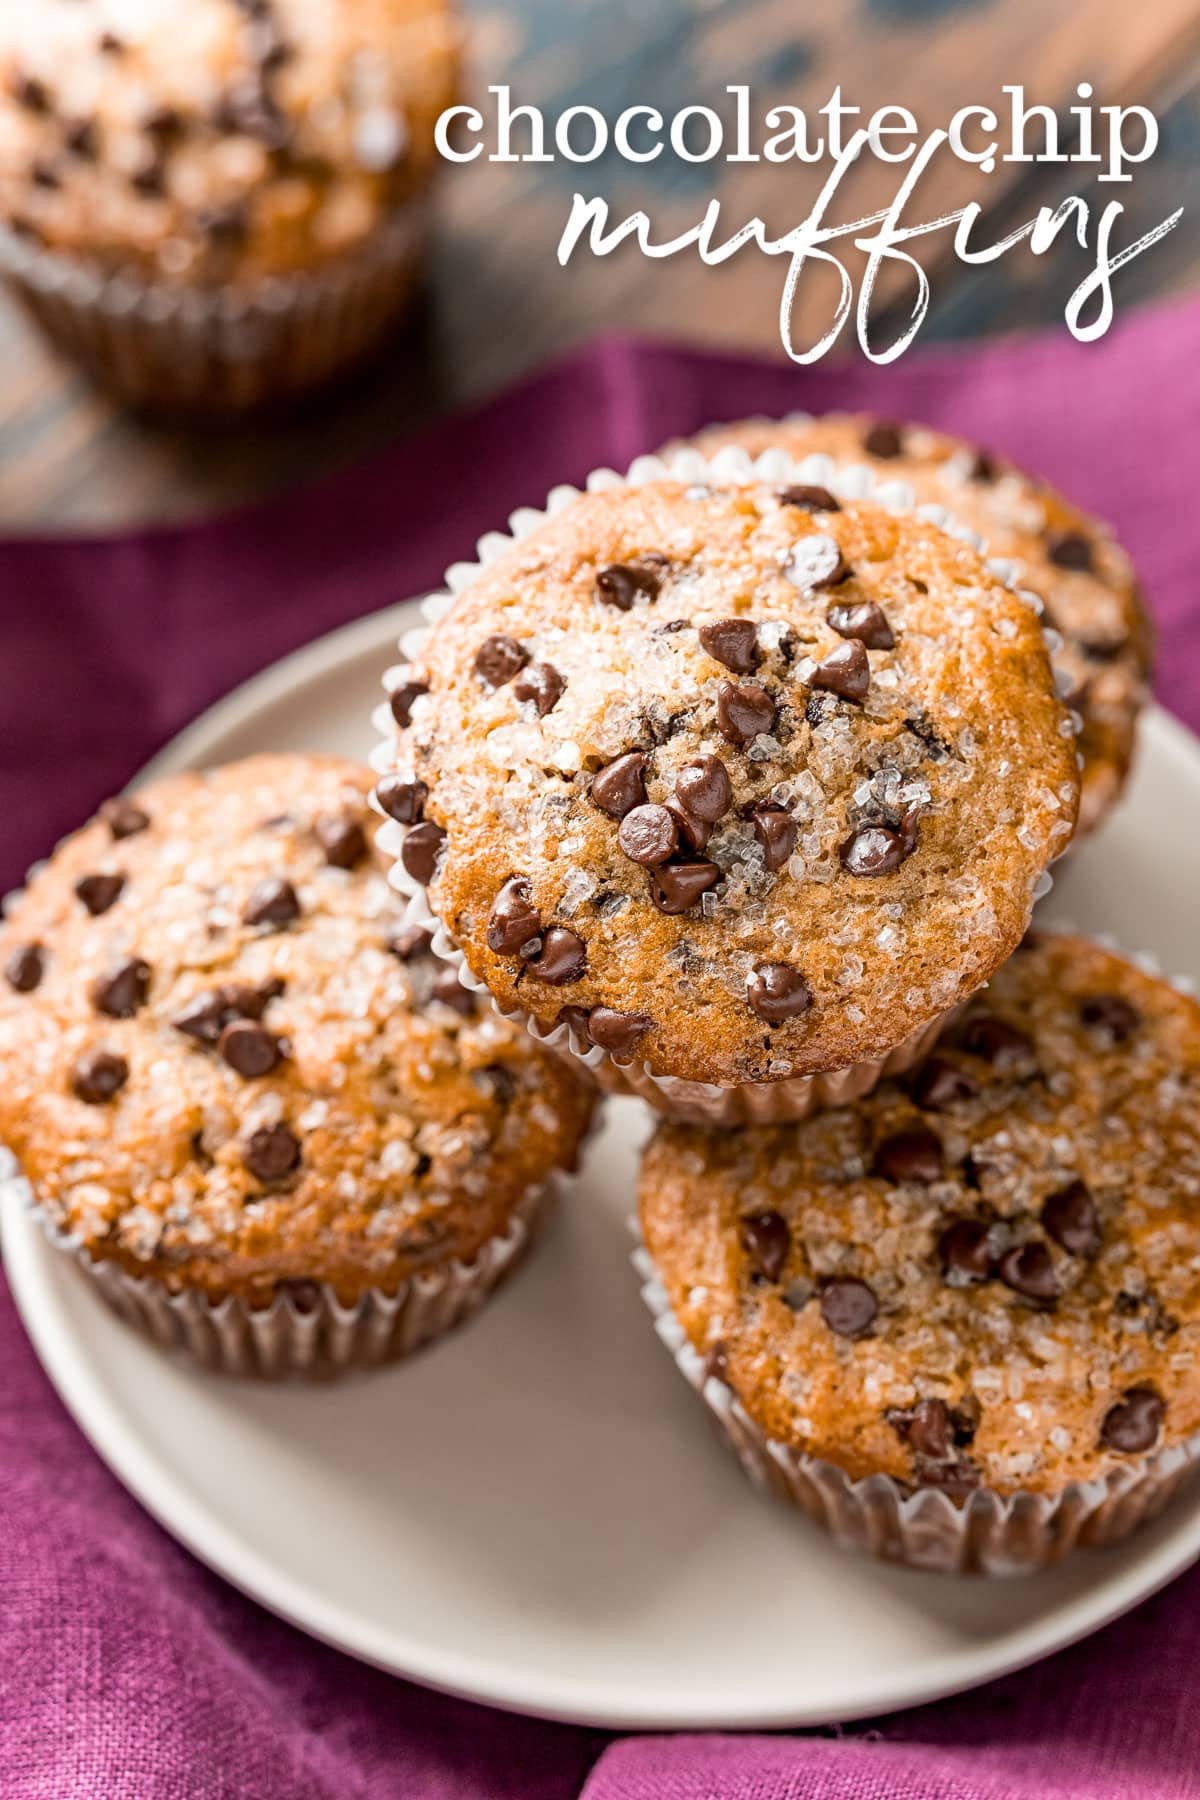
(1070, 560)
(231, 1073)
(740, 785)
(980, 1283)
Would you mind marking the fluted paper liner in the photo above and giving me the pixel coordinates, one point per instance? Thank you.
(789, 1098)
(989, 1533)
(292, 1337)
(166, 346)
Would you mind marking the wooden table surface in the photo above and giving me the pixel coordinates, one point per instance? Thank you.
(497, 302)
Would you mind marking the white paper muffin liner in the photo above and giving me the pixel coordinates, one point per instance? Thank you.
(788, 1098)
(167, 347)
(313, 1335)
(989, 1533)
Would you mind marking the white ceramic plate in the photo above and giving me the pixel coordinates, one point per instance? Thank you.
(535, 1513)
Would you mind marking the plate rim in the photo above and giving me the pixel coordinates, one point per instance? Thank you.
(156, 1486)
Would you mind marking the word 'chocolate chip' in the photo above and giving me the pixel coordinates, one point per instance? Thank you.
(1029, 1271)
(844, 672)
(25, 967)
(272, 1152)
(866, 621)
(99, 892)
(98, 1076)
(403, 698)
(1134, 1422)
(809, 498)
(704, 789)
(402, 797)
(123, 818)
(815, 562)
(621, 786)
(249, 1049)
(777, 991)
(617, 1032)
(766, 1240)
(743, 712)
(733, 642)
(1071, 1219)
(273, 902)
(620, 584)
(648, 835)
(776, 831)
(848, 1306)
(563, 957)
(498, 659)
(123, 992)
(910, 1156)
(513, 919)
(677, 886)
(419, 851)
(940, 1084)
(541, 683)
(342, 839)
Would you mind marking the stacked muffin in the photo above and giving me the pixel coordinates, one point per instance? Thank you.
(736, 781)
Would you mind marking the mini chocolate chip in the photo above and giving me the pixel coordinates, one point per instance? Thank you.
(402, 798)
(124, 992)
(694, 833)
(342, 838)
(965, 1250)
(1069, 1216)
(743, 712)
(1133, 1423)
(513, 920)
(45, 175)
(958, 1479)
(704, 788)
(272, 902)
(766, 1240)
(25, 967)
(98, 892)
(677, 886)
(809, 499)
(621, 583)
(206, 1015)
(732, 642)
(79, 138)
(541, 683)
(648, 835)
(1028, 1270)
(909, 1156)
(1112, 1015)
(939, 1084)
(31, 93)
(777, 991)
(409, 942)
(272, 1152)
(249, 1049)
(845, 671)
(123, 818)
(926, 1427)
(1069, 550)
(883, 440)
(985, 467)
(865, 621)
(403, 698)
(575, 1018)
(621, 786)
(110, 44)
(617, 1032)
(814, 562)
(148, 176)
(716, 1364)
(450, 991)
(224, 225)
(875, 850)
(996, 1042)
(419, 851)
(98, 1076)
(776, 831)
(304, 1296)
(848, 1306)
(497, 1082)
(820, 708)
(498, 659)
(563, 957)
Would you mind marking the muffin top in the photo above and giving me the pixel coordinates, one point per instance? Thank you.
(989, 1275)
(221, 140)
(749, 783)
(1072, 562)
(228, 1064)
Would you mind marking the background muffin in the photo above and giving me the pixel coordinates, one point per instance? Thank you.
(740, 785)
(1071, 561)
(981, 1286)
(223, 202)
(231, 1074)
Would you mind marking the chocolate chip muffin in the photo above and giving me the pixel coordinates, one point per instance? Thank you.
(741, 789)
(221, 203)
(959, 1322)
(1072, 562)
(246, 1096)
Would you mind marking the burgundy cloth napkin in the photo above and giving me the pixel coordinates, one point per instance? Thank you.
(128, 1672)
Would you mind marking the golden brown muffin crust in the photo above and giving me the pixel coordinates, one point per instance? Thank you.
(308, 1097)
(964, 1279)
